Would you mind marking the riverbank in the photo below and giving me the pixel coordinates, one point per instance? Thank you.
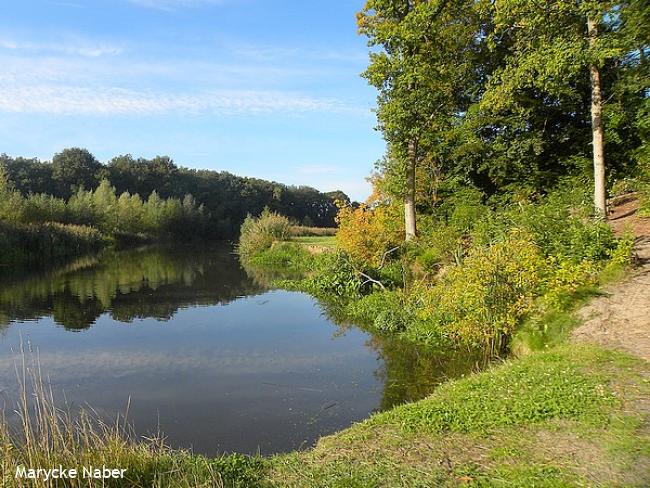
(569, 414)
(560, 412)
(576, 414)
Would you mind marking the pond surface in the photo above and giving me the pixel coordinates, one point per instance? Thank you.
(202, 352)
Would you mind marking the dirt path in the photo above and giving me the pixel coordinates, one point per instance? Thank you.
(621, 317)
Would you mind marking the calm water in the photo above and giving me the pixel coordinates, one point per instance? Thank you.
(205, 353)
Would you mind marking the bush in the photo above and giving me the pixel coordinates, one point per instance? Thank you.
(481, 302)
(384, 311)
(335, 274)
(558, 225)
(367, 233)
(259, 233)
(20, 243)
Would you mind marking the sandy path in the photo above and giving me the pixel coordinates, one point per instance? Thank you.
(621, 317)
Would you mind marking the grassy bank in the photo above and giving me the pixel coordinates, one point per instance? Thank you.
(572, 416)
(507, 279)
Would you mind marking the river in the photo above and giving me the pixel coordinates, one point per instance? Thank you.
(193, 347)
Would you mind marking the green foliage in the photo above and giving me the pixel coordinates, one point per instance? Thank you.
(383, 311)
(260, 233)
(74, 169)
(498, 93)
(226, 199)
(240, 471)
(285, 256)
(558, 224)
(439, 245)
(482, 301)
(124, 218)
(42, 243)
(335, 274)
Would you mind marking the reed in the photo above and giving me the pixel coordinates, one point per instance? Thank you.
(42, 435)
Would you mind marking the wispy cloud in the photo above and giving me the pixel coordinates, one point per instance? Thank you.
(68, 100)
(68, 48)
(174, 4)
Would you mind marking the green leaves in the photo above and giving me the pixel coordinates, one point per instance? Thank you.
(498, 91)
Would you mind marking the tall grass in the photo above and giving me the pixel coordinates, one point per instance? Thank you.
(46, 436)
(260, 233)
(23, 243)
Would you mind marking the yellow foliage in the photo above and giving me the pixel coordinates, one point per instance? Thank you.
(367, 233)
(482, 301)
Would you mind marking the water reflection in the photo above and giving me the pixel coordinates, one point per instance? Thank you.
(205, 352)
(149, 282)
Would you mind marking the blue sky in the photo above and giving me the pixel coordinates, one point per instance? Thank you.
(265, 88)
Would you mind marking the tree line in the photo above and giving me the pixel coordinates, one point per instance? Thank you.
(507, 96)
(141, 193)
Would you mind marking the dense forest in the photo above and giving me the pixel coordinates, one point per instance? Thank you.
(225, 198)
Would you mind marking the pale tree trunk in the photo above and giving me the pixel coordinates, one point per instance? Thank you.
(597, 129)
(409, 199)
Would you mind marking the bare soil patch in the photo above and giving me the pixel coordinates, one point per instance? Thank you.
(620, 318)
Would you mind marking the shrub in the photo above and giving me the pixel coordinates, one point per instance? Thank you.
(556, 227)
(20, 243)
(481, 302)
(384, 311)
(367, 233)
(438, 245)
(335, 274)
(259, 233)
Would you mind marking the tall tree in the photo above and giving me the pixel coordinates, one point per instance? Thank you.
(562, 53)
(425, 73)
(75, 168)
(393, 72)
(598, 132)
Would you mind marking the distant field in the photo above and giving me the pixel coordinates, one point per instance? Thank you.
(302, 231)
(326, 241)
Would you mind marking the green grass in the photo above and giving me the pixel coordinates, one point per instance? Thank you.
(325, 241)
(569, 417)
(550, 385)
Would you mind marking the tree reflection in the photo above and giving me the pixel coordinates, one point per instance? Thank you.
(408, 371)
(135, 284)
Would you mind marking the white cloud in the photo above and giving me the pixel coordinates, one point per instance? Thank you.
(76, 76)
(70, 100)
(69, 48)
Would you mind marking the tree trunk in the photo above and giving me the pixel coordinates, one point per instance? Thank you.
(409, 199)
(597, 129)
